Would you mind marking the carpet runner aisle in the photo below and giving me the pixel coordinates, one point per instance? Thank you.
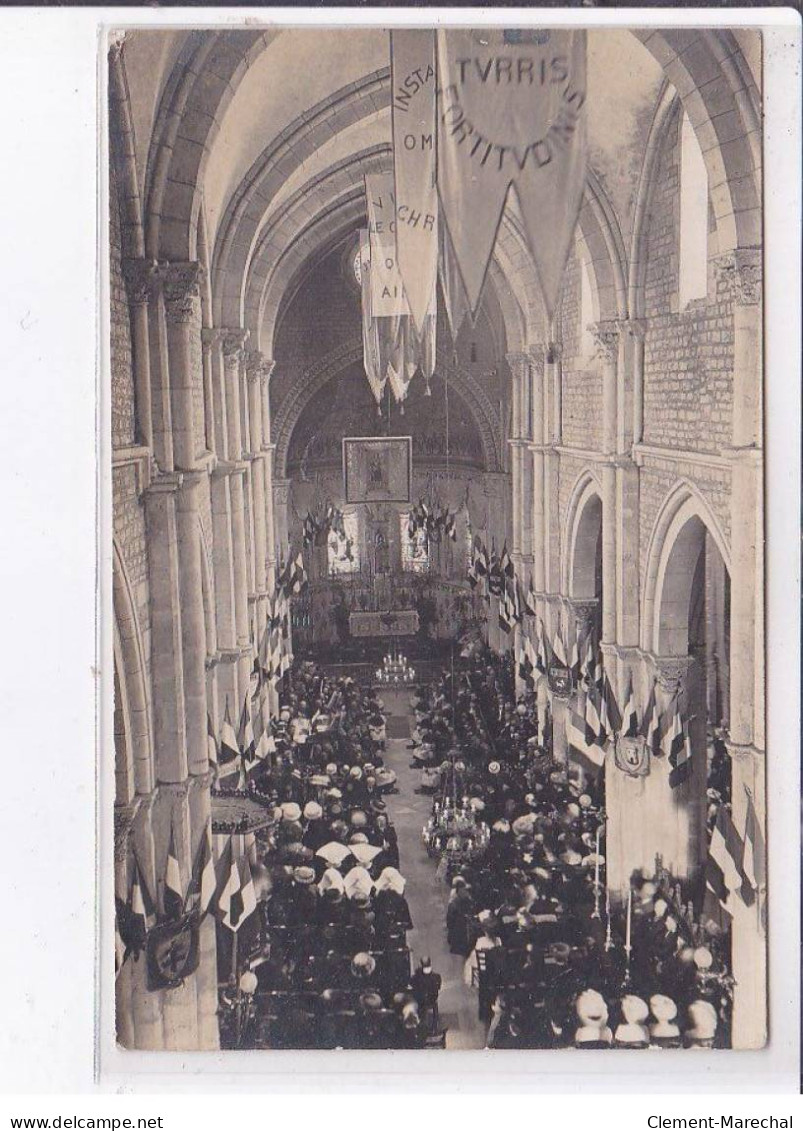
(426, 895)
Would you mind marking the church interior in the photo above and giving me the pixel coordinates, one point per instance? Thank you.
(437, 716)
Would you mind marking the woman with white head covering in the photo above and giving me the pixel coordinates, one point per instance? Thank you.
(331, 879)
(392, 910)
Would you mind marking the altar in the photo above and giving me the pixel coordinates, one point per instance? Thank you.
(400, 622)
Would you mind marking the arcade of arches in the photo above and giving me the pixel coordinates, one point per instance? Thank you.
(617, 453)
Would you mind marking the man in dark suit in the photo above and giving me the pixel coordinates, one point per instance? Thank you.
(426, 986)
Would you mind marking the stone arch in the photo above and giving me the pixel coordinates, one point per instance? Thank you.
(705, 66)
(244, 215)
(672, 553)
(314, 380)
(131, 678)
(665, 117)
(122, 146)
(584, 527)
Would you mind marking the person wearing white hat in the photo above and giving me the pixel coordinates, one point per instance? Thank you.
(701, 1028)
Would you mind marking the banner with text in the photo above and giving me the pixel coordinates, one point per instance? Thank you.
(370, 329)
(412, 60)
(511, 112)
(387, 291)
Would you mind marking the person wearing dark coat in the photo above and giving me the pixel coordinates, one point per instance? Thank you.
(426, 986)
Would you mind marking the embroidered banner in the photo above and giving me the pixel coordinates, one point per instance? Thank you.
(511, 112)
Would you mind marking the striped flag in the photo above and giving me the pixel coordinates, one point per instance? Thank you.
(230, 765)
(584, 751)
(651, 725)
(238, 898)
(143, 910)
(676, 746)
(527, 664)
(541, 658)
(211, 741)
(559, 648)
(173, 896)
(595, 730)
(574, 658)
(609, 708)
(630, 728)
(203, 882)
(530, 604)
(724, 877)
(753, 855)
(246, 736)
(588, 664)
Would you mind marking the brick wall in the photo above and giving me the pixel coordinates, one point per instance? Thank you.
(122, 390)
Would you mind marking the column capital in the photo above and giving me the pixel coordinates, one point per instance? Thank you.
(635, 328)
(181, 287)
(177, 790)
(536, 352)
(553, 351)
(741, 272)
(519, 361)
(165, 483)
(584, 611)
(138, 275)
(233, 343)
(606, 338)
(671, 671)
(257, 366)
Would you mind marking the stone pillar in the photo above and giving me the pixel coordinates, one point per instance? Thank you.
(161, 411)
(628, 501)
(537, 429)
(167, 668)
(212, 341)
(146, 1006)
(607, 337)
(193, 628)
(208, 1036)
(233, 342)
(137, 274)
(552, 440)
(281, 501)
(268, 449)
(209, 389)
(741, 272)
(181, 288)
(258, 457)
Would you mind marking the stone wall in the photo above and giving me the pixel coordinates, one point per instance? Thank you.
(122, 383)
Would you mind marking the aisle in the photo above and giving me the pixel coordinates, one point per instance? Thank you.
(426, 895)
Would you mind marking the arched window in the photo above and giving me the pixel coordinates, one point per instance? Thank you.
(414, 548)
(693, 281)
(343, 553)
(586, 344)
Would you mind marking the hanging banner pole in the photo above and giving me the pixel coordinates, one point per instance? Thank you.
(511, 114)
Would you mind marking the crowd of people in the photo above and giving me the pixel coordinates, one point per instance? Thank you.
(521, 842)
(326, 962)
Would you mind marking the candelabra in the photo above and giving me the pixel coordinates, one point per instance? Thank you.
(395, 670)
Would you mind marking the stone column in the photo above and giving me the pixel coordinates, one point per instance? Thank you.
(233, 342)
(552, 440)
(193, 628)
(181, 288)
(628, 502)
(137, 274)
(206, 977)
(537, 430)
(281, 500)
(268, 449)
(161, 411)
(209, 379)
(607, 337)
(741, 273)
(258, 457)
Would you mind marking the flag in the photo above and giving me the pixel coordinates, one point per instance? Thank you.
(238, 898)
(511, 113)
(588, 664)
(596, 732)
(583, 751)
(527, 661)
(676, 746)
(412, 68)
(173, 896)
(142, 911)
(723, 872)
(503, 612)
(630, 728)
(298, 575)
(609, 708)
(230, 765)
(651, 724)
(120, 949)
(203, 882)
(753, 855)
(530, 604)
(541, 658)
(211, 741)
(558, 648)
(574, 658)
(246, 736)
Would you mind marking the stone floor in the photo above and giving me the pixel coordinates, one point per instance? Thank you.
(426, 894)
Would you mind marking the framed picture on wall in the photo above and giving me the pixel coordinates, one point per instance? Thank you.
(377, 469)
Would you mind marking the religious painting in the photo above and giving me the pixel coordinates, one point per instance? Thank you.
(377, 470)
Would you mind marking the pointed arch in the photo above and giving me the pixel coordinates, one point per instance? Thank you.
(583, 522)
(665, 589)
